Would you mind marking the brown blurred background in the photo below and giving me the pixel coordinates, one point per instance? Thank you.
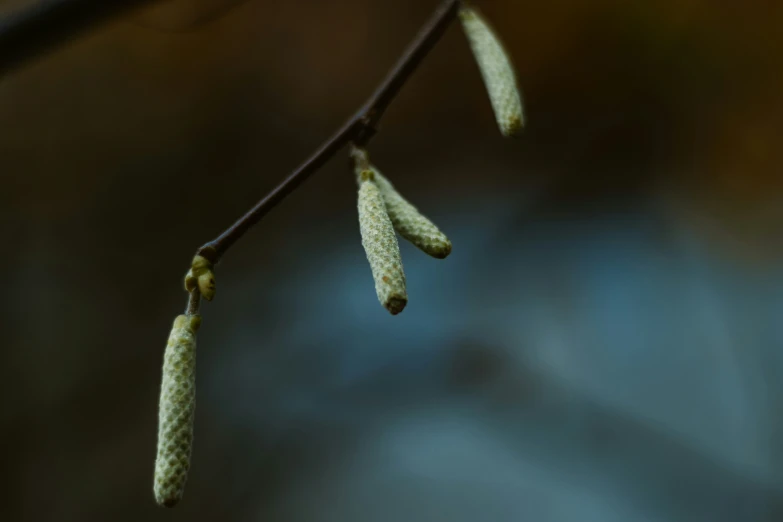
(605, 342)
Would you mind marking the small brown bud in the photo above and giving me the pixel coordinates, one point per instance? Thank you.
(201, 275)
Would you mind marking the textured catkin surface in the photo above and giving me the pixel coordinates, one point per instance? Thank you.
(496, 70)
(410, 223)
(177, 408)
(380, 245)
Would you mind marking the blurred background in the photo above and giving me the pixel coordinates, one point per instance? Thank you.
(605, 342)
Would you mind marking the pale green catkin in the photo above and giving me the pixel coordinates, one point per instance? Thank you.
(380, 245)
(496, 70)
(409, 222)
(177, 408)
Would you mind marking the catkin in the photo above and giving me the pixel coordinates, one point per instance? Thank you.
(177, 407)
(496, 70)
(380, 245)
(409, 222)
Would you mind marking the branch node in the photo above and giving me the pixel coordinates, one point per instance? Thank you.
(201, 277)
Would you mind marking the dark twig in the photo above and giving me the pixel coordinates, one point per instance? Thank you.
(426, 39)
(194, 301)
(358, 129)
(45, 24)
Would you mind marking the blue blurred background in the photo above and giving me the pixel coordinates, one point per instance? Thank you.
(604, 343)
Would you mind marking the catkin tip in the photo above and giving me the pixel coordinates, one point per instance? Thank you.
(410, 223)
(513, 126)
(396, 304)
(443, 251)
(167, 502)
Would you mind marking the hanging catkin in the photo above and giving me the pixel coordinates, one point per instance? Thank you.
(409, 222)
(496, 70)
(177, 406)
(380, 245)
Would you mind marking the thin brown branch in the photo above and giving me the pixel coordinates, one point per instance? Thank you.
(428, 36)
(359, 129)
(194, 301)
